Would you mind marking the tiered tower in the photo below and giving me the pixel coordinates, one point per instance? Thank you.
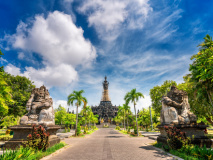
(105, 110)
(105, 94)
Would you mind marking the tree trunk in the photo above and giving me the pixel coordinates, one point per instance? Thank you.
(209, 97)
(136, 120)
(124, 121)
(127, 121)
(209, 120)
(76, 120)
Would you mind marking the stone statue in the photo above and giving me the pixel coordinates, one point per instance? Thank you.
(40, 108)
(176, 109)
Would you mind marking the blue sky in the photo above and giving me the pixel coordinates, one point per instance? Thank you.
(72, 44)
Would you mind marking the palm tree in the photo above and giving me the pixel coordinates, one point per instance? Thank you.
(121, 112)
(133, 97)
(126, 110)
(86, 111)
(76, 96)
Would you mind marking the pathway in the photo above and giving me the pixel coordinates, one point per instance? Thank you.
(108, 144)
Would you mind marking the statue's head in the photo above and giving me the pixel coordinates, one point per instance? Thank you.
(39, 93)
(176, 95)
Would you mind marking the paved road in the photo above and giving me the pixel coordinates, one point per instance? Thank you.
(108, 144)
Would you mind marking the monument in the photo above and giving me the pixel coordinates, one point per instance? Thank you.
(176, 112)
(40, 112)
(105, 110)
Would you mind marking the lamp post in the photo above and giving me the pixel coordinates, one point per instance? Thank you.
(151, 117)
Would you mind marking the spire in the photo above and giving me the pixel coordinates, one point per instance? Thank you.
(105, 94)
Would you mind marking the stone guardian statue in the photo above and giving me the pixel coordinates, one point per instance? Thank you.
(40, 108)
(176, 109)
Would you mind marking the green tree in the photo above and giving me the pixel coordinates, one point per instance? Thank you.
(121, 113)
(202, 72)
(86, 112)
(5, 93)
(76, 96)
(69, 119)
(157, 92)
(90, 117)
(95, 119)
(10, 121)
(144, 117)
(5, 96)
(60, 115)
(118, 119)
(2, 67)
(21, 91)
(127, 111)
(133, 96)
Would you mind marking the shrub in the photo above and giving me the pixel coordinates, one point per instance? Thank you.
(26, 153)
(78, 129)
(117, 128)
(94, 128)
(65, 130)
(176, 138)
(85, 129)
(147, 129)
(5, 137)
(68, 129)
(38, 139)
(2, 132)
(128, 130)
(106, 126)
(7, 132)
(133, 134)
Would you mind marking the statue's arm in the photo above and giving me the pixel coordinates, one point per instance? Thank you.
(171, 103)
(177, 105)
(29, 103)
(45, 105)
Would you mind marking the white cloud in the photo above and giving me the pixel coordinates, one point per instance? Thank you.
(63, 103)
(2, 60)
(165, 24)
(109, 17)
(56, 39)
(12, 70)
(152, 65)
(144, 102)
(60, 44)
(21, 55)
(51, 76)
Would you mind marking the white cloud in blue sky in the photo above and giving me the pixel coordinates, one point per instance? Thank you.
(71, 45)
(111, 17)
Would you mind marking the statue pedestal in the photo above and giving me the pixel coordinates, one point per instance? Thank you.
(22, 131)
(196, 131)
